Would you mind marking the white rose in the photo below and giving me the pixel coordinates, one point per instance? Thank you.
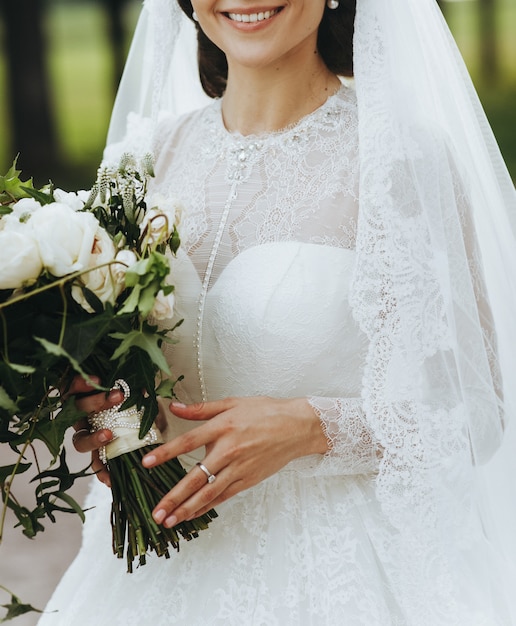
(65, 238)
(20, 214)
(163, 308)
(102, 281)
(168, 205)
(159, 221)
(20, 261)
(125, 258)
(75, 201)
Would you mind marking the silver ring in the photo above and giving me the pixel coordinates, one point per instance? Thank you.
(211, 477)
(80, 431)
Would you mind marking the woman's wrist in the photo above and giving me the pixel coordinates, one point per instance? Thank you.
(308, 426)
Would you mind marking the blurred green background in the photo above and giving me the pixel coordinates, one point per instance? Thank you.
(83, 46)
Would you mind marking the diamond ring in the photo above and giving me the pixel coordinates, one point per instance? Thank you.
(211, 477)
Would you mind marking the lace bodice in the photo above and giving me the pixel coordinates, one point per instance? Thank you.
(268, 236)
(298, 184)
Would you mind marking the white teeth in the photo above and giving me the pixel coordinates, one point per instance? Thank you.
(252, 17)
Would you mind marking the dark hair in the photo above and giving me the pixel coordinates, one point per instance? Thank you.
(334, 41)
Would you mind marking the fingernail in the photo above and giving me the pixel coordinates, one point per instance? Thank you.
(159, 516)
(104, 437)
(171, 521)
(115, 396)
(178, 405)
(149, 460)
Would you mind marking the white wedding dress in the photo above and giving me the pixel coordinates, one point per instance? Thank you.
(262, 282)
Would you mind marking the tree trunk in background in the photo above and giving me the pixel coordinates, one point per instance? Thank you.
(488, 49)
(116, 33)
(33, 130)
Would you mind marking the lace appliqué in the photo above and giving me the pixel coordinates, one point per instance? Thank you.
(352, 447)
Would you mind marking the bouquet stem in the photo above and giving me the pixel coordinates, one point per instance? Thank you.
(136, 491)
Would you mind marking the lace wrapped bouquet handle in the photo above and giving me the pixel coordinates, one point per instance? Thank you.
(125, 426)
(137, 490)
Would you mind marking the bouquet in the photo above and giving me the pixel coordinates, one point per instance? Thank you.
(84, 279)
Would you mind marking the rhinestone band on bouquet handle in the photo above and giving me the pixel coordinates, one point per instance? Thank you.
(125, 426)
(85, 291)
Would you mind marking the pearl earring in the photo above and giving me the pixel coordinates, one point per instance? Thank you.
(332, 4)
(196, 19)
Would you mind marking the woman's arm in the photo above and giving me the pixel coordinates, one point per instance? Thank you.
(249, 439)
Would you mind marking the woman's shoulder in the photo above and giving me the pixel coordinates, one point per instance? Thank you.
(172, 130)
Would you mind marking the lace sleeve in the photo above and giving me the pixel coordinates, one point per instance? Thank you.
(352, 447)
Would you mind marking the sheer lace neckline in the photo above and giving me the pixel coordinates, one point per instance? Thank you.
(321, 115)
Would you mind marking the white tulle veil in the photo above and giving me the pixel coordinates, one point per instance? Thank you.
(434, 289)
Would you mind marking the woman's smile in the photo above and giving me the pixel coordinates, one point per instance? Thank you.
(252, 19)
(246, 17)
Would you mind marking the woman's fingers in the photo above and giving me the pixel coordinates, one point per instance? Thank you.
(79, 385)
(84, 441)
(99, 401)
(89, 399)
(188, 442)
(231, 491)
(202, 410)
(100, 469)
(194, 439)
(193, 493)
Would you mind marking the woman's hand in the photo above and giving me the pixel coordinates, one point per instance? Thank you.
(83, 440)
(246, 439)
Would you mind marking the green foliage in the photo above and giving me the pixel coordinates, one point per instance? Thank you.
(15, 608)
(12, 188)
(146, 278)
(48, 336)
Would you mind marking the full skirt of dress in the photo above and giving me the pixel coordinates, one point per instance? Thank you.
(293, 550)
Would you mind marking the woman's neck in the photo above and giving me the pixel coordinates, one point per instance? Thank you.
(266, 100)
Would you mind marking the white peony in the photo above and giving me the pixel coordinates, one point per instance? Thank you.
(74, 200)
(65, 238)
(105, 283)
(19, 259)
(163, 308)
(20, 214)
(160, 220)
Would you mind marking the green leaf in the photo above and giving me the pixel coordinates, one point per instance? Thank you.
(22, 369)
(145, 279)
(166, 387)
(62, 473)
(6, 402)
(57, 350)
(11, 187)
(149, 343)
(146, 376)
(12, 172)
(7, 470)
(52, 432)
(29, 520)
(73, 504)
(175, 241)
(17, 608)
(40, 196)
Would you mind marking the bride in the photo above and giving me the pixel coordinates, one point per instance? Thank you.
(347, 281)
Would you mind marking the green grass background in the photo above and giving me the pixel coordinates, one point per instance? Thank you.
(82, 79)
